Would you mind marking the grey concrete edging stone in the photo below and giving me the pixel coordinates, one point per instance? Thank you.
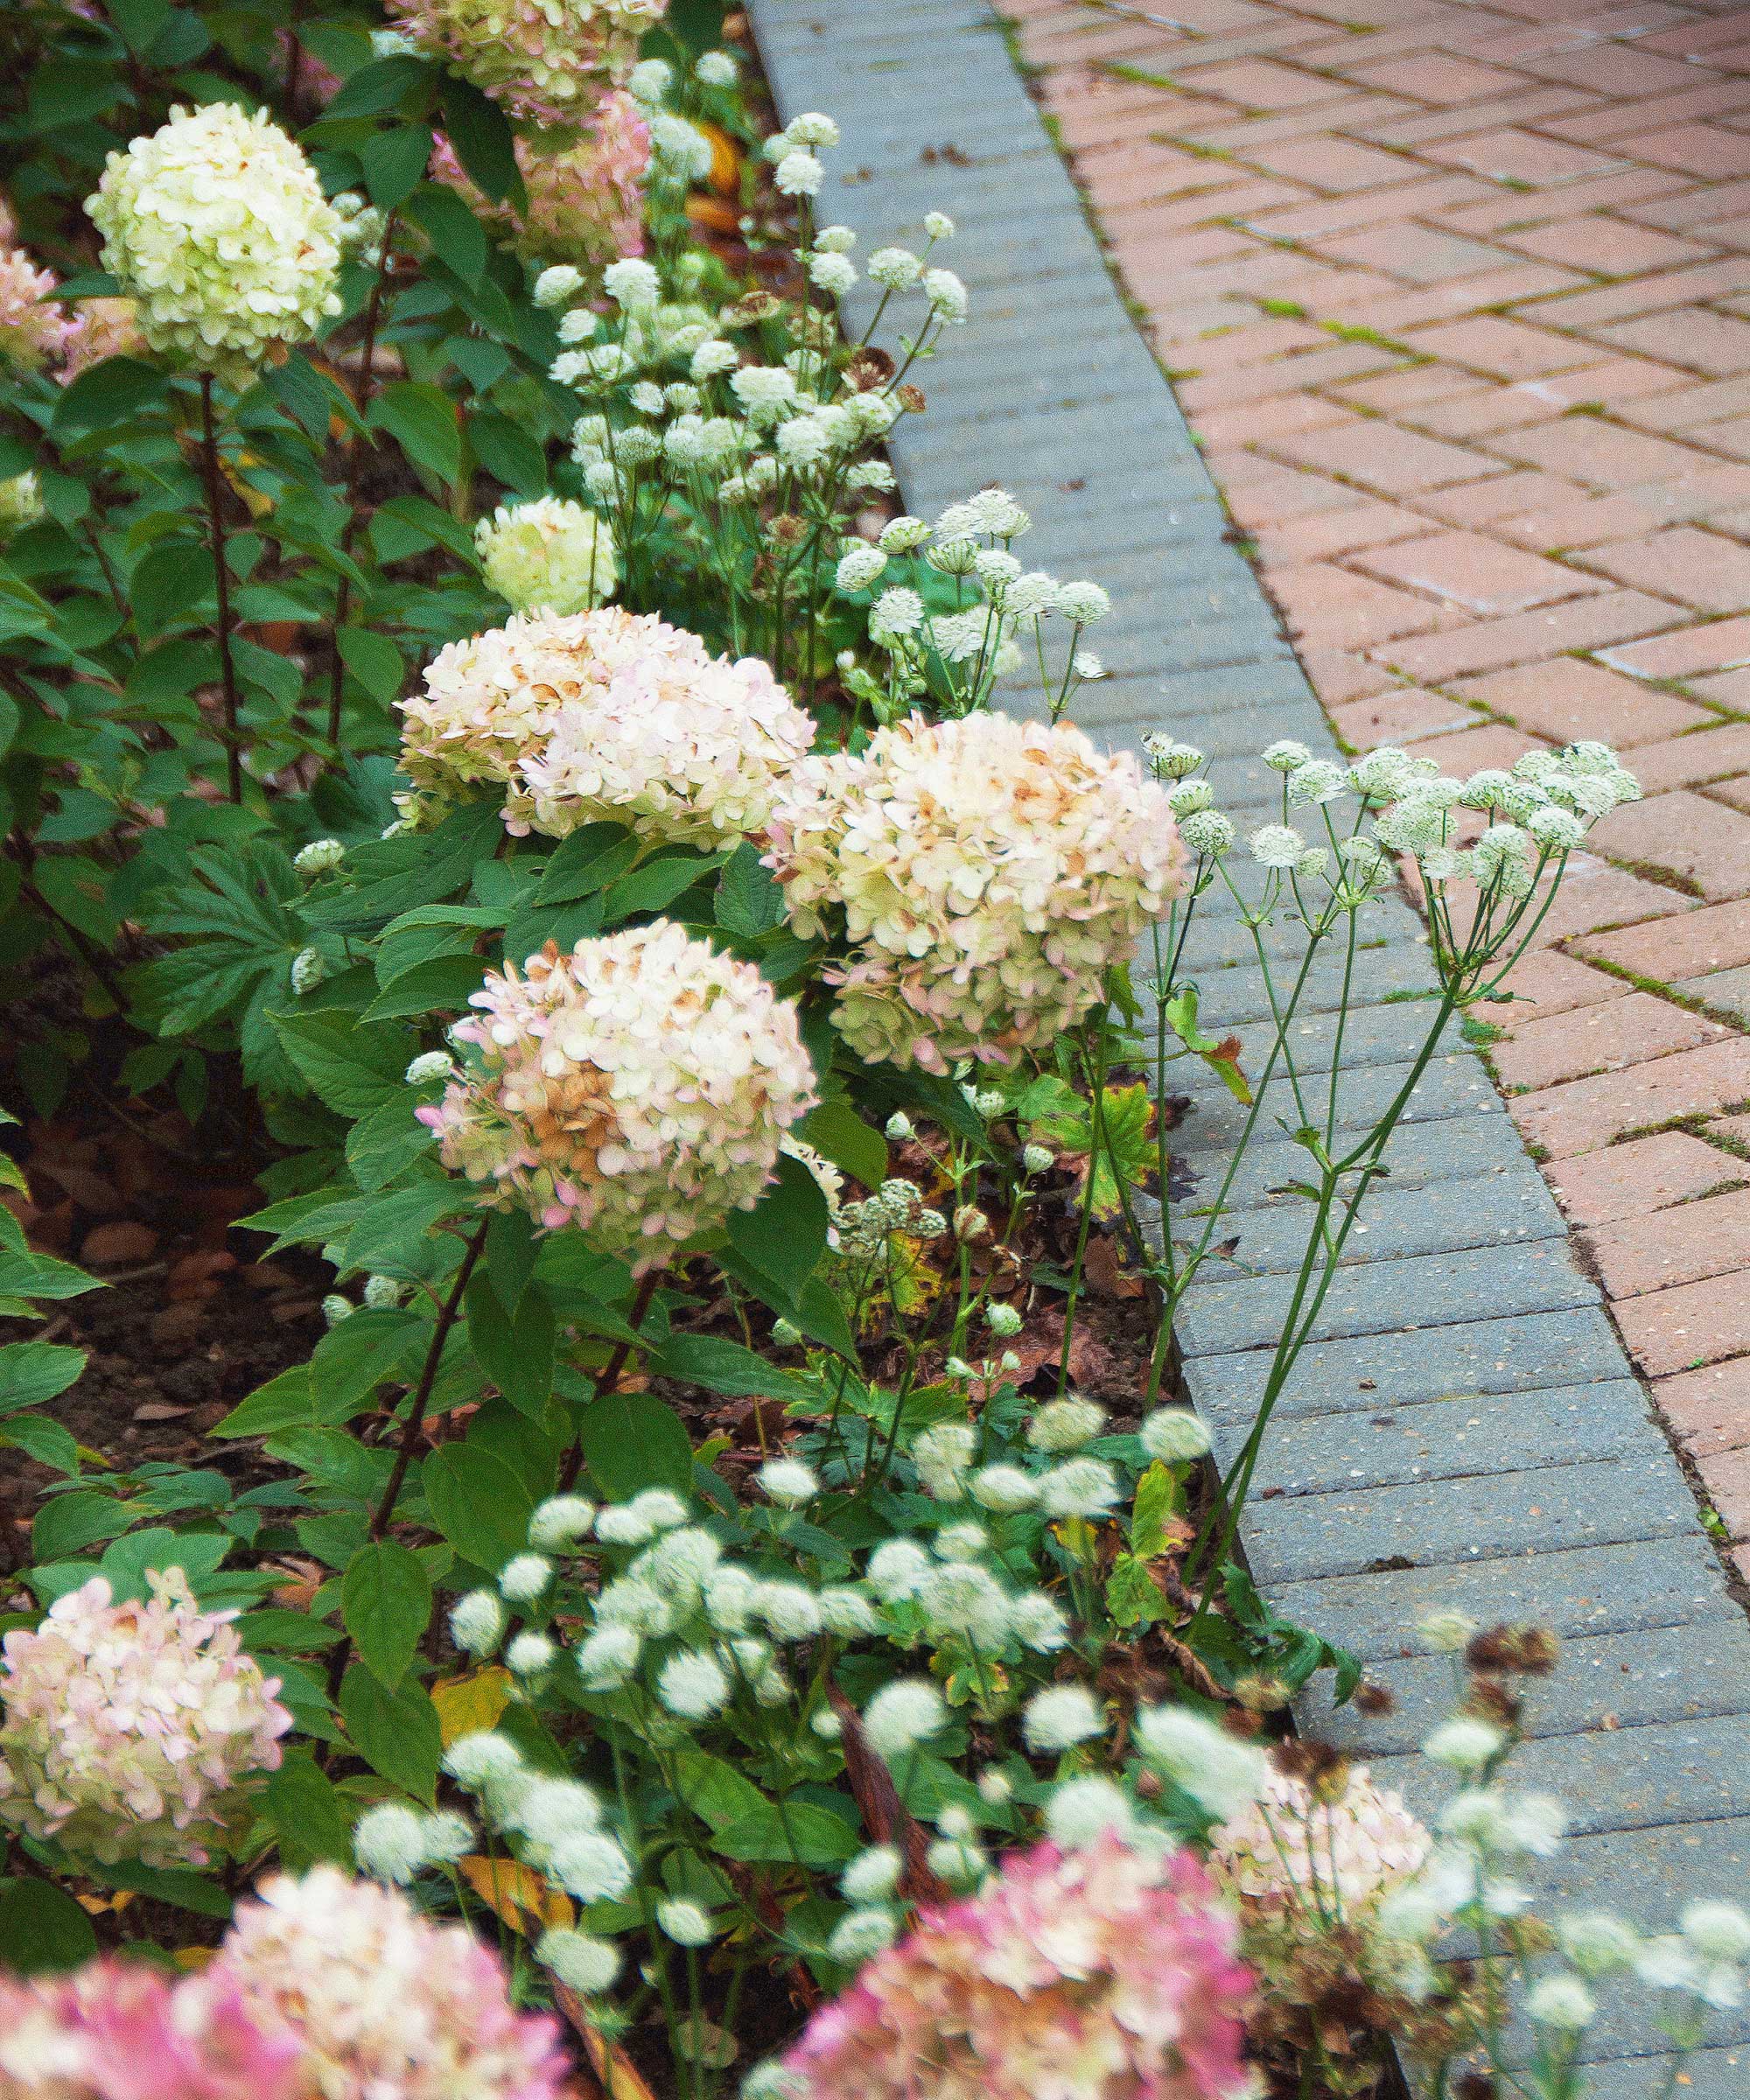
(1470, 1432)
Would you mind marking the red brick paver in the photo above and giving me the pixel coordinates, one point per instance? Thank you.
(1457, 296)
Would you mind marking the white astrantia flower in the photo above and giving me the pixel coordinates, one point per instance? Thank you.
(846, 1612)
(1038, 1158)
(1319, 780)
(789, 1481)
(895, 267)
(524, 1578)
(833, 274)
(1004, 1489)
(1189, 796)
(482, 1757)
(217, 228)
(1168, 759)
(1719, 1930)
(812, 129)
(899, 611)
(591, 1865)
(901, 1715)
(1060, 1717)
(548, 1811)
(320, 857)
(938, 226)
(1065, 1424)
(1080, 1486)
(1207, 833)
(693, 1684)
(861, 1933)
(1083, 602)
(1463, 1743)
(872, 1874)
(1275, 846)
(896, 1568)
(477, 1622)
(1285, 754)
(530, 1654)
(858, 567)
(799, 174)
(834, 241)
(580, 1961)
(1082, 1810)
(561, 1521)
(1174, 1435)
(1223, 1774)
(1039, 1623)
(557, 285)
(1561, 2001)
(904, 535)
(606, 1658)
(1446, 1631)
(961, 1600)
(1598, 1942)
(389, 1843)
(788, 1610)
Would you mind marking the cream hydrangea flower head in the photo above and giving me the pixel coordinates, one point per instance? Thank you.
(381, 2000)
(988, 870)
(21, 503)
(217, 227)
(546, 554)
(605, 714)
(128, 1726)
(544, 60)
(586, 187)
(1332, 1860)
(638, 1088)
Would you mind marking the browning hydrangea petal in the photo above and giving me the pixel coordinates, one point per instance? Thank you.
(988, 870)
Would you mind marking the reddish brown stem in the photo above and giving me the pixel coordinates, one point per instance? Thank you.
(447, 1317)
(215, 522)
(610, 1377)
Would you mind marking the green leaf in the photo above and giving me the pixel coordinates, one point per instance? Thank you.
(396, 1732)
(484, 142)
(386, 1606)
(655, 886)
(633, 1441)
(374, 661)
(373, 1347)
(422, 422)
(104, 396)
(478, 1503)
(171, 586)
(393, 163)
(349, 1069)
(391, 1233)
(283, 1403)
(749, 900)
(586, 862)
(128, 1562)
(515, 1350)
(386, 1141)
(803, 1833)
(838, 1133)
(309, 1812)
(725, 1367)
(785, 1233)
(511, 1253)
(42, 1930)
(714, 1791)
(66, 1526)
(444, 984)
(453, 229)
(32, 1372)
(508, 453)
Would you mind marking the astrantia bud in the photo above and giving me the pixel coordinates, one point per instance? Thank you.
(477, 1622)
(902, 1715)
(217, 228)
(584, 1964)
(320, 857)
(559, 1522)
(1060, 1718)
(1174, 1436)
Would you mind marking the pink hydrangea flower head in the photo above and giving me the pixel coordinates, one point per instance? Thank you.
(33, 326)
(387, 2004)
(120, 2031)
(544, 60)
(638, 1088)
(605, 714)
(586, 187)
(101, 328)
(1332, 1860)
(1105, 1973)
(128, 1727)
(988, 872)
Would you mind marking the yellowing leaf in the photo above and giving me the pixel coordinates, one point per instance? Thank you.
(467, 1703)
(515, 1892)
(193, 1958)
(94, 1906)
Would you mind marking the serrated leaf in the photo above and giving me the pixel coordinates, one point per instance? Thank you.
(725, 1367)
(386, 1142)
(308, 1813)
(386, 1606)
(43, 1931)
(838, 1133)
(350, 1069)
(632, 1441)
(515, 1349)
(477, 1503)
(422, 420)
(32, 1372)
(589, 860)
(396, 1732)
(466, 1705)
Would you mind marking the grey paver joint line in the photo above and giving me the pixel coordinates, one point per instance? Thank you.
(957, 84)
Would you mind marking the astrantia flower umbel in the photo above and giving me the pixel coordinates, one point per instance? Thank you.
(382, 2000)
(1332, 1859)
(606, 714)
(1110, 1968)
(638, 1088)
(544, 60)
(218, 230)
(584, 188)
(128, 1726)
(988, 872)
(121, 2031)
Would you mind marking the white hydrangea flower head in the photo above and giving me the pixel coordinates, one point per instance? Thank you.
(126, 1730)
(546, 61)
(550, 554)
(1334, 1859)
(382, 2000)
(216, 227)
(637, 1087)
(988, 872)
(607, 714)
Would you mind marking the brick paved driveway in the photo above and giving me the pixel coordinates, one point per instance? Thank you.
(1457, 298)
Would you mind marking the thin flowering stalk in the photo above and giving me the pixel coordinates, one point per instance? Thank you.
(221, 573)
(415, 1420)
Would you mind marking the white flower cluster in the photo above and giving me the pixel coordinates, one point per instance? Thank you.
(546, 555)
(605, 714)
(988, 871)
(216, 227)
